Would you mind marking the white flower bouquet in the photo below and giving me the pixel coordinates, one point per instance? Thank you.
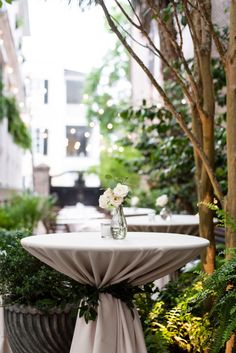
(162, 201)
(165, 212)
(113, 197)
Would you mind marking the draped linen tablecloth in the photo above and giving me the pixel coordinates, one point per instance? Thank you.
(89, 259)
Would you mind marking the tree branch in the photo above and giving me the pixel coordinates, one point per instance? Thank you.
(179, 117)
(178, 25)
(175, 46)
(157, 52)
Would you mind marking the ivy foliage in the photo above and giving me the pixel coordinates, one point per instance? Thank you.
(16, 127)
(122, 290)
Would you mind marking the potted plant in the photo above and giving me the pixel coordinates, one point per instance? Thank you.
(40, 304)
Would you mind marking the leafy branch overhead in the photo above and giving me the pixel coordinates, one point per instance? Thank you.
(6, 1)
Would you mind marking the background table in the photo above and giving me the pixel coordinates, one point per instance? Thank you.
(86, 218)
(182, 224)
(89, 259)
(137, 211)
(79, 212)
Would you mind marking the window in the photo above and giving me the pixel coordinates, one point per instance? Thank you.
(45, 142)
(41, 141)
(77, 140)
(74, 89)
(40, 90)
(45, 91)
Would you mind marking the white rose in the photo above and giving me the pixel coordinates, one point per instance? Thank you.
(162, 200)
(121, 190)
(104, 201)
(108, 193)
(116, 200)
(134, 201)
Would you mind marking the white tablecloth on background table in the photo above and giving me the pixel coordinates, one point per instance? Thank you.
(80, 212)
(182, 224)
(89, 259)
(137, 211)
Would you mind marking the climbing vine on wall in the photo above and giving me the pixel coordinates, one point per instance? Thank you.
(16, 127)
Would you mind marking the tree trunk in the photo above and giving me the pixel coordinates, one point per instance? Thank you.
(203, 127)
(165, 45)
(231, 124)
(230, 345)
(230, 204)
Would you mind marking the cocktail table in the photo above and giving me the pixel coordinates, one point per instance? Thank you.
(89, 259)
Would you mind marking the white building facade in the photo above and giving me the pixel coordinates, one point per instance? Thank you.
(63, 140)
(13, 26)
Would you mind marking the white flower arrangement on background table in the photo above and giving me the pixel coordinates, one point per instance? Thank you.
(162, 201)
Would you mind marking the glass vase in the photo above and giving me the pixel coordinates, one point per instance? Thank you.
(165, 214)
(118, 224)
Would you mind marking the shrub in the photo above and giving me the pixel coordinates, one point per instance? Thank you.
(26, 210)
(26, 280)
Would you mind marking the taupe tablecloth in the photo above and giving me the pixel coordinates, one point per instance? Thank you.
(89, 259)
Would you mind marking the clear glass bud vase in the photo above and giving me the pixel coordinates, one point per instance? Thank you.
(118, 224)
(165, 213)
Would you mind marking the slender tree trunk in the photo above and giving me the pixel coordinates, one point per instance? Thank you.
(165, 45)
(203, 127)
(231, 124)
(230, 345)
(231, 139)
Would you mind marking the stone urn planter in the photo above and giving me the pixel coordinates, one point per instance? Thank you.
(31, 331)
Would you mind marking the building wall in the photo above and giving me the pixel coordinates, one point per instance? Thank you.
(10, 163)
(11, 156)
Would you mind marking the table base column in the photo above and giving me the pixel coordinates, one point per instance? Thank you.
(115, 330)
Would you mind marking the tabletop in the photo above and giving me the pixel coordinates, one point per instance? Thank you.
(92, 241)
